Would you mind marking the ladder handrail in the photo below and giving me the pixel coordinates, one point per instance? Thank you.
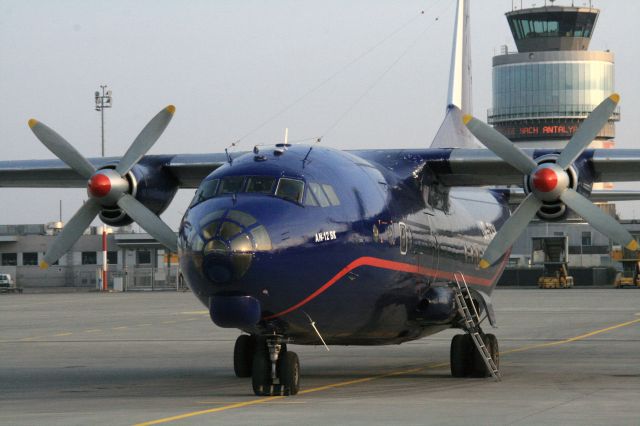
(466, 288)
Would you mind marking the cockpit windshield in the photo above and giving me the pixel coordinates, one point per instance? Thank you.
(317, 195)
(260, 184)
(230, 185)
(290, 189)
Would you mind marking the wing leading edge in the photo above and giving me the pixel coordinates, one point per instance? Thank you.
(448, 166)
(187, 169)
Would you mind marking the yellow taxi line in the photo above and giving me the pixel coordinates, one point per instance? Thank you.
(571, 339)
(97, 330)
(371, 378)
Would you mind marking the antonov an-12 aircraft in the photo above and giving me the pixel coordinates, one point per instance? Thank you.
(310, 245)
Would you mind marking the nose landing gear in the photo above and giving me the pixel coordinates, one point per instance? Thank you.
(243, 355)
(273, 369)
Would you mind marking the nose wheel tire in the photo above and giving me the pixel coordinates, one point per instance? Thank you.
(261, 374)
(243, 352)
(274, 370)
(288, 368)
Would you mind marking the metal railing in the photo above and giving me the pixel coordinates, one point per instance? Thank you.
(150, 278)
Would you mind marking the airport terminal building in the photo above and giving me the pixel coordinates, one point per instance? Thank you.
(135, 261)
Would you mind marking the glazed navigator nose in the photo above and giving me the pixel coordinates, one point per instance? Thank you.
(231, 239)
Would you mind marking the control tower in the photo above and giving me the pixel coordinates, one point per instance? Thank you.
(543, 92)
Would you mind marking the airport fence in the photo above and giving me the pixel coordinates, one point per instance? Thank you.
(148, 279)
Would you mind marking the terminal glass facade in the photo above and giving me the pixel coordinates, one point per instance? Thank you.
(550, 89)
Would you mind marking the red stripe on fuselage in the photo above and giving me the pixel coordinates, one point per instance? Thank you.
(386, 264)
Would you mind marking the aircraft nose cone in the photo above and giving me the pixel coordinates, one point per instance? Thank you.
(545, 180)
(223, 268)
(231, 238)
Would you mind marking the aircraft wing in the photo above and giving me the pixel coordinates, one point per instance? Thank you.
(449, 166)
(480, 167)
(187, 169)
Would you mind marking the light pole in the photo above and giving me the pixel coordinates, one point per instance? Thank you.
(103, 100)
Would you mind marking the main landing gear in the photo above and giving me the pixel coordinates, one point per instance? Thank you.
(474, 353)
(273, 369)
(466, 359)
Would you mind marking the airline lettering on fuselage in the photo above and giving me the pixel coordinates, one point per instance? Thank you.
(325, 236)
(488, 230)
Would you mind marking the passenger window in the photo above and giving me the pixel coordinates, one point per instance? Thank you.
(331, 194)
(260, 184)
(231, 185)
(319, 194)
(290, 189)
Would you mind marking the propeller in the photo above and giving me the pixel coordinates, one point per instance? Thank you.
(549, 182)
(106, 187)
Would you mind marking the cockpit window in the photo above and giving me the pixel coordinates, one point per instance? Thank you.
(290, 189)
(207, 190)
(309, 199)
(287, 188)
(319, 194)
(331, 195)
(230, 185)
(260, 184)
(323, 195)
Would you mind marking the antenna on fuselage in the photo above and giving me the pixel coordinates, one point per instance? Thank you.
(304, 160)
(226, 151)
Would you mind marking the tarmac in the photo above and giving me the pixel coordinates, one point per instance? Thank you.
(568, 357)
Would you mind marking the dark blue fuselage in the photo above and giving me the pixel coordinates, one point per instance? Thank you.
(368, 263)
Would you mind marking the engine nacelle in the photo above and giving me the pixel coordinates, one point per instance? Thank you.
(437, 306)
(150, 184)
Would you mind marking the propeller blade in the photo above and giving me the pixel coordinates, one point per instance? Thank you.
(149, 221)
(588, 131)
(598, 219)
(145, 140)
(499, 145)
(71, 232)
(511, 230)
(62, 149)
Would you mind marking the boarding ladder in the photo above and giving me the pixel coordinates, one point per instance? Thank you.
(471, 322)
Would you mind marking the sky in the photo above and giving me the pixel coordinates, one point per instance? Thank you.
(359, 74)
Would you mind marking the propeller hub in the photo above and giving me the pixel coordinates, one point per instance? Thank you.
(99, 185)
(545, 180)
(107, 187)
(548, 181)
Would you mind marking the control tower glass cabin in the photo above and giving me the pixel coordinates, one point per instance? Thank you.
(545, 90)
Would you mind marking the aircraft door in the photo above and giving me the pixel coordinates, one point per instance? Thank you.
(431, 256)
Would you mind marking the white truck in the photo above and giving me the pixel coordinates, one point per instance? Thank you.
(7, 285)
